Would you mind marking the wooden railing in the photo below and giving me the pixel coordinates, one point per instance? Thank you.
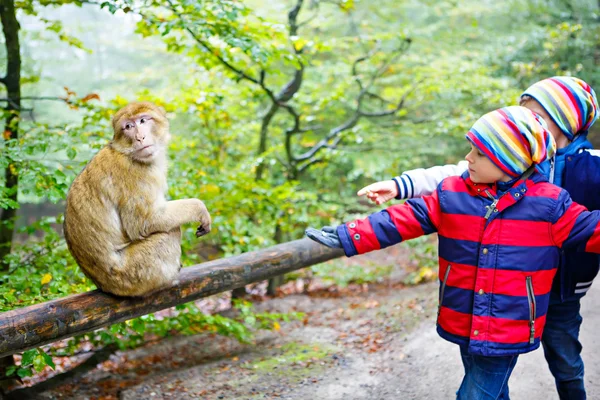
(44, 323)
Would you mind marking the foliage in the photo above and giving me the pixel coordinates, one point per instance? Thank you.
(31, 360)
(188, 319)
(40, 269)
(343, 275)
(425, 256)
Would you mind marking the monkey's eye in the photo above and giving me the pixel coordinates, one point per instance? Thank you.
(142, 120)
(128, 126)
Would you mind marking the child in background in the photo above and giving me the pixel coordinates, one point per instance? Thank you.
(570, 108)
(501, 227)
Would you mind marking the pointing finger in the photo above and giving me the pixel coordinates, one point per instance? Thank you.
(364, 191)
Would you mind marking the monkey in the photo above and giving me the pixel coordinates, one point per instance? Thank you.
(118, 225)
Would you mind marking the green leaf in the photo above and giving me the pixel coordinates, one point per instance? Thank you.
(28, 357)
(71, 153)
(24, 372)
(39, 363)
(48, 359)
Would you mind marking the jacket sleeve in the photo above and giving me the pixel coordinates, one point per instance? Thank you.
(422, 182)
(576, 228)
(393, 225)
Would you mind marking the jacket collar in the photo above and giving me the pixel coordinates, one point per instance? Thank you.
(579, 143)
(508, 198)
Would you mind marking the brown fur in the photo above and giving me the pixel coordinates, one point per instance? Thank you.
(118, 225)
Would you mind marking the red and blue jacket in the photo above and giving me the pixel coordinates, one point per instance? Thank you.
(497, 254)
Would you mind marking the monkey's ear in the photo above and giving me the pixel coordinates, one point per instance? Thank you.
(114, 122)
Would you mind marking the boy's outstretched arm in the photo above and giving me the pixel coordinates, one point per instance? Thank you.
(411, 184)
(576, 228)
(393, 225)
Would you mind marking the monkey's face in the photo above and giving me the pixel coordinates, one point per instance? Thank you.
(142, 132)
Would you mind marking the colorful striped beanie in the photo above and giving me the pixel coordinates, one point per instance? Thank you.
(513, 138)
(570, 102)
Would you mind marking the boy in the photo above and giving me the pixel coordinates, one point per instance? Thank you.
(569, 106)
(501, 226)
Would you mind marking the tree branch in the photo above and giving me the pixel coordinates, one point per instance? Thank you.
(202, 43)
(293, 18)
(384, 66)
(292, 87)
(284, 95)
(310, 163)
(15, 106)
(334, 137)
(349, 124)
(362, 59)
(398, 107)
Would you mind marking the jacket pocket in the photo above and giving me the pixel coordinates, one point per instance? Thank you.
(532, 308)
(443, 289)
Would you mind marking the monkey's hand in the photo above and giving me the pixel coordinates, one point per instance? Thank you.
(204, 219)
(326, 236)
(201, 231)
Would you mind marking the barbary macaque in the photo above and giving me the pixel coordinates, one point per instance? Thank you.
(119, 227)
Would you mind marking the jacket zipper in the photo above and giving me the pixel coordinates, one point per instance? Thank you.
(491, 207)
(443, 288)
(532, 306)
(551, 177)
(490, 210)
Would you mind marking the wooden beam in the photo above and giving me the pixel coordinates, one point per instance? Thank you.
(44, 323)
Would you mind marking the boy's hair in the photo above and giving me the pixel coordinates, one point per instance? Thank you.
(524, 99)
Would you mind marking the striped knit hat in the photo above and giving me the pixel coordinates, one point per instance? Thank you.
(570, 102)
(513, 138)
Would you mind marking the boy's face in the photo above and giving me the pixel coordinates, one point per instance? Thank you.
(482, 170)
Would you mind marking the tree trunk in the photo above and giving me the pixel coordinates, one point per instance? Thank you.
(262, 147)
(12, 81)
(278, 280)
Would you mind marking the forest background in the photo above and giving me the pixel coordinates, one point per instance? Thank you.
(280, 112)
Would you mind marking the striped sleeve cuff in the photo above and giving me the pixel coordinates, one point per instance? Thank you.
(406, 189)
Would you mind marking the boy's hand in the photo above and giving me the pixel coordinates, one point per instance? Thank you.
(327, 236)
(380, 192)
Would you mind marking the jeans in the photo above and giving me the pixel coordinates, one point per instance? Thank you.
(486, 378)
(562, 348)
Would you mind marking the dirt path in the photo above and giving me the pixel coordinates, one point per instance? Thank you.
(378, 344)
(433, 368)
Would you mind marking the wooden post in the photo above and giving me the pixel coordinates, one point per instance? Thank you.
(44, 323)
(5, 363)
(276, 281)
